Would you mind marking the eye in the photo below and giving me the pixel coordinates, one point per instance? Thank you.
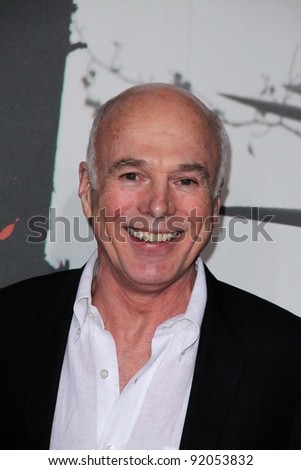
(187, 182)
(130, 176)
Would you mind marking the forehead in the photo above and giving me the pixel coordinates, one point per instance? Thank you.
(151, 105)
(163, 119)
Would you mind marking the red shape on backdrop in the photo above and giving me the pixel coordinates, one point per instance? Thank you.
(8, 230)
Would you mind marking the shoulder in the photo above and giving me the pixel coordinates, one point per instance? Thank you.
(239, 306)
(41, 281)
(40, 290)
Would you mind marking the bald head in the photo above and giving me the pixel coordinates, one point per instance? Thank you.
(152, 100)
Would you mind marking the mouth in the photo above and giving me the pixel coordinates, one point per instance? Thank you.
(153, 237)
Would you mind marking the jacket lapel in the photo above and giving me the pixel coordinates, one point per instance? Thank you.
(50, 333)
(219, 364)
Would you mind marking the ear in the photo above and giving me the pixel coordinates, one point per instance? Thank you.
(84, 189)
(216, 205)
(216, 209)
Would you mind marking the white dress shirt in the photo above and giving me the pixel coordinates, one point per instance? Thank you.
(149, 413)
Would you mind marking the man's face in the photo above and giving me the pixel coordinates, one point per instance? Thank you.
(157, 164)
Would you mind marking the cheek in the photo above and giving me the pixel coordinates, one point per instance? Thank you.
(199, 205)
(113, 207)
(200, 215)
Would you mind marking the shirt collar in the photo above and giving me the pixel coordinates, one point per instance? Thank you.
(194, 311)
(83, 298)
(196, 306)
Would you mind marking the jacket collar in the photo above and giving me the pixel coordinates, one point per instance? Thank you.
(46, 356)
(219, 364)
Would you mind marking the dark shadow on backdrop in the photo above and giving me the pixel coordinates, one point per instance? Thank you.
(34, 43)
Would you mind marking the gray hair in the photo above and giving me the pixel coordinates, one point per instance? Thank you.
(214, 121)
(91, 155)
(224, 149)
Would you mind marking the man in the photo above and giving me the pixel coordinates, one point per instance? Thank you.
(144, 348)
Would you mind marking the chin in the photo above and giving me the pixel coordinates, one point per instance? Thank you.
(150, 281)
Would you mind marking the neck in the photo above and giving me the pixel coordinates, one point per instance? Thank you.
(132, 316)
(123, 304)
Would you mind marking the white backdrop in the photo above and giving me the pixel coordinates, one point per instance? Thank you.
(247, 48)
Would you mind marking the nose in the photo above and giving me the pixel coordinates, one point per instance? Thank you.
(157, 201)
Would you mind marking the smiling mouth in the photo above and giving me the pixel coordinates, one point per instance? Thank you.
(153, 237)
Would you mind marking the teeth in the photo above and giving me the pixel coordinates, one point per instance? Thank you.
(152, 237)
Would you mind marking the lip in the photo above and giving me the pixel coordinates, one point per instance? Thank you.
(151, 229)
(163, 238)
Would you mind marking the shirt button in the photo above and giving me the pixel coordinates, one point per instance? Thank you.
(104, 373)
(78, 331)
(109, 446)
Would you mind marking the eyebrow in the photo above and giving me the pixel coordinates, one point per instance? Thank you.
(195, 167)
(126, 162)
(139, 163)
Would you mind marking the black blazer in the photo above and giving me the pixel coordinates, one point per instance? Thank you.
(246, 391)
